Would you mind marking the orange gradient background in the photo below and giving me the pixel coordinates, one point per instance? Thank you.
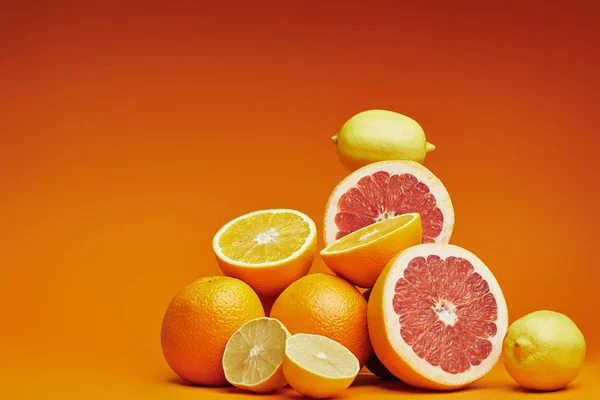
(130, 133)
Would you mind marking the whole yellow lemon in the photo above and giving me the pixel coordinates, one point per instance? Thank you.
(544, 350)
(380, 135)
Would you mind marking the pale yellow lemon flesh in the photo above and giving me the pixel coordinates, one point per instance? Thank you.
(360, 256)
(254, 355)
(317, 366)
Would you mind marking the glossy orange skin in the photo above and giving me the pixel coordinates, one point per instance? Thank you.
(198, 323)
(326, 305)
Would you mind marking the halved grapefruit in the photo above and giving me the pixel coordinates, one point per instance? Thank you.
(385, 189)
(437, 317)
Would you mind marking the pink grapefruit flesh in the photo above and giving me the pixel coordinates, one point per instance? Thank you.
(439, 315)
(447, 313)
(386, 189)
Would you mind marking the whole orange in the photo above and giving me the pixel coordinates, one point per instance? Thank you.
(326, 305)
(198, 323)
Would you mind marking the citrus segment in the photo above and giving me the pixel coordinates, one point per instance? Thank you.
(267, 249)
(254, 354)
(385, 189)
(360, 256)
(437, 317)
(317, 366)
(198, 323)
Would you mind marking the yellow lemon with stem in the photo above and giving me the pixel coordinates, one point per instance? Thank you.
(380, 135)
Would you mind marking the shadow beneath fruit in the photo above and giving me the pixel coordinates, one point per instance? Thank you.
(267, 303)
(181, 382)
(363, 382)
(394, 385)
(234, 390)
(178, 381)
(520, 389)
(286, 392)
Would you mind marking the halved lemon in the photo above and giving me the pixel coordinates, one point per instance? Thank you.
(267, 249)
(360, 256)
(317, 366)
(254, 355)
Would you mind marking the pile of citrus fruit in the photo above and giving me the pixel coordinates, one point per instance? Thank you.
(433, 314)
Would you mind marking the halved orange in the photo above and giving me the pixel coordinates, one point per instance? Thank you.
(360, 256)
(268, 249)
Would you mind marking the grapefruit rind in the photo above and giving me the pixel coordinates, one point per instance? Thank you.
(436, 187)
(384, 324)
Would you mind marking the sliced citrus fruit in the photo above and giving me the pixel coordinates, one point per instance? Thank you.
(437, 317)
(267, 249)
(360, 256)
(254, 355)
(385, 189)
(317, 366)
